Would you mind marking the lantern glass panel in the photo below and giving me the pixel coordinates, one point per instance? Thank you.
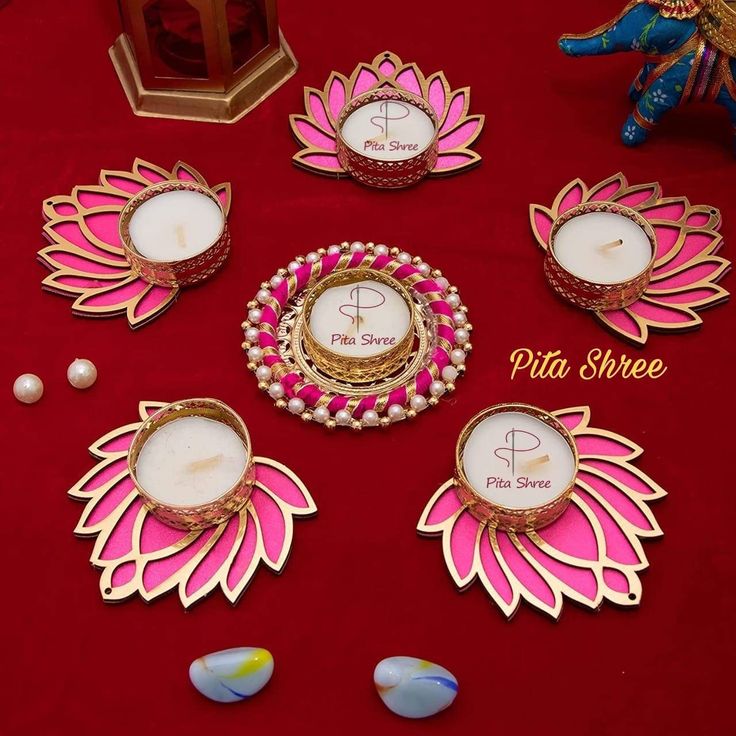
(247, 28)
(175, 39)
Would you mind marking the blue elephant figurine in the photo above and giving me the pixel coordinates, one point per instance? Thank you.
(691, 50)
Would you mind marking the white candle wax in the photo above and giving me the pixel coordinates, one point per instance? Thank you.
(517, 461)
(584, 246)
(359, 320)
(190, 461)
(388, 130)
(175, 225)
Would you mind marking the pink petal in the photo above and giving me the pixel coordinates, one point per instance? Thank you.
(463, 539)
(109, 502)
(460, 137)
(318, 111)
(120, 540)
(185, 173)
(281, 485)
(119, 443)
(654, 312)
(387, 67)
(123, 182)
(320, 160)
(155, 535)
(243, 560)
(147, 172)
(618, 547)
(365, 80)
(689, 298)
(273, 525)
(453, 160)
(108, 470)
(626, 476)
(152, 301)
(86, 265)
(542, 222)
(454, 111)
(92, 199)
(444, 507)
(572, 420)
(704, 270)
(571, 534)
(666, 239)
(72, 233)
(698, 219)
(116, 296)
(696, 244)
(672, 211)
(157, 572)
(409, 81)
(493, 571)
(623, 321)
(313, 136)
(437, 96)
(616, 580)
(606, 193)
(527, 576)
(215, 558)
(618, 500)
(336, 96)
(123, 574)
(572, 197)
(613, 446)
(639, 195)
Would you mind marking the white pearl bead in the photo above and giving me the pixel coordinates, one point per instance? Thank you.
(252, 334)
(457, 356)
(403, 257)
(381, 250)
(296, 405)
(276, 391)
(442, 282)
(263, 373)
(395, 412)
(343, 416)
(321, 414)
(28, 388)
(462, 336)
(276, 281)
(255, 316)
(437, 388)
(424, 268)
(255, 354)
(293, 266)
(453, 300)
(82, 373)
(357, 247)
(418, 402)
(370, 418)
(449, 373)
(333, 250)
(263, 296)
(460, 319)
(312, 257)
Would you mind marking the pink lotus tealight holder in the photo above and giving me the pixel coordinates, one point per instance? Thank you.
(637, 260)
(543, 507)
(179, 502)
(130, 243)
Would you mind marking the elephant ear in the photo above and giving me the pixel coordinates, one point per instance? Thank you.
(679, 9)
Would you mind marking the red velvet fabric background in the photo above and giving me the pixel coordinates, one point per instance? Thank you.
(360, 584)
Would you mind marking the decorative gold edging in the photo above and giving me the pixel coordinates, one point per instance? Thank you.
(717, 22)
(589, 294)
(379, 173)
(497, 515)
(187, 271)
(222, 508)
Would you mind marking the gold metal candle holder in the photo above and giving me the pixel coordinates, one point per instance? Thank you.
(387, 174)
(222, 508)
(717, 22)
(591, 294)
(187, 271)
(496, 515)
(350, 368)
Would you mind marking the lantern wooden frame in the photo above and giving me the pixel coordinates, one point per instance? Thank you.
(226, 94)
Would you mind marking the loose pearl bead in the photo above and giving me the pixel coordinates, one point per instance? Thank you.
(403, 257)
(424, 268)
(81, 373)
(462, 336)
(460, 319)
(263, 296)
(333, 250)
(357, 247)
(255, 354)
(252, 334)
(293, 266)
(255, 315)
(437, 388)
(263, 373)
(449, 373)
(276, 391)
(418, 402)
(381, 250)
(343, 416)
(370, 418)
(443, 283)
(276, 281)
(457, 356)
(28, 388)
(453, 300)
(321, 414)
(395, 412)
(312, 257)
(296, 405)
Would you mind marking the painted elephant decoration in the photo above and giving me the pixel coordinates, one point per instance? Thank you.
(691, 50)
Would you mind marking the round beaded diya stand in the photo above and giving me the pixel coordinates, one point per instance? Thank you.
(151, 547)
(662, 248)
(95, 261)
(387, 125)
(544, 506)
(357, 335)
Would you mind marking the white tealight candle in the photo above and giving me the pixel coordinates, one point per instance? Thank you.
(516, 461)
(602, 247)
(190, 461)
(175, 225)
(359, 319)
(388, 130)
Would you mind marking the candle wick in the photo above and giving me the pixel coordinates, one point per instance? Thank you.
(204, 464)
(537, 461)
(610, 246)
(180, 237)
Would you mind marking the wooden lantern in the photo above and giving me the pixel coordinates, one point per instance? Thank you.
(208, 60)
